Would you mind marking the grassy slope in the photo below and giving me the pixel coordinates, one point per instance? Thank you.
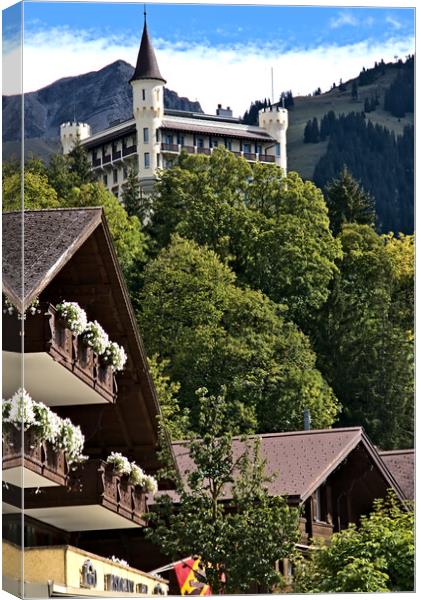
(303, 157)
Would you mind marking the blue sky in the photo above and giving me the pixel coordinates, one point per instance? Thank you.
(216, 53)
(224, 25)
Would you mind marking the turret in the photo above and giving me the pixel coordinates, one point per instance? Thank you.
(148, 110)
(69, 132)
(274, 120)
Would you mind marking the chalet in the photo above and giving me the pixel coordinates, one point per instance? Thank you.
(53, 499)
(155, 136)
(401, 463)
(334, 475)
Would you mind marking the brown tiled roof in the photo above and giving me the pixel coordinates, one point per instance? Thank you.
(300, 461)
(401, 464)
(215, 128)
(51, 237)
(147, 65)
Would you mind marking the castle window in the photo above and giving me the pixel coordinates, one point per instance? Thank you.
(200, 142)
(228, 144)
(115, 176)
(247, 148)
(258, 148)
(278, 149)
(105, 179)
(169, 139)
(157, 135)
(143, 94)
(147, 160)
(145, 135)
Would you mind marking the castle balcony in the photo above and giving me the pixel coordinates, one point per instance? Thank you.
(206, 151)
(94, 498)
(58, 368)
(116, 156)
(189, 149)
(106, 159)
(29, 463)
(96, 162)
(250, 156)
(267, 158)
(129, 150)
(170, 148)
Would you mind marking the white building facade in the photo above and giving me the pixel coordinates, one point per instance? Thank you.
(155, 136)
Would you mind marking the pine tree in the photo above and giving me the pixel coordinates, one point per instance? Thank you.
(79, 164)
(354, 90)
(348, 202)
(132, 195)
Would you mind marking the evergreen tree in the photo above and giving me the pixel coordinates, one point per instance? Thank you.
(347, 202)
(79, 165)
(132, 195)
(354, 92)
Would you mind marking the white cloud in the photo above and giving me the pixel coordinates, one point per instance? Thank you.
(344, 18)
(232, 76)
(394, 22)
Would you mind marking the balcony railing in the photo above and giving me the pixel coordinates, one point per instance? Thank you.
(204, 150)
(96, 162)
(106, 159)
(47, 333)
(250, 156)
(189, 149)
(38, 457)
(93, 483)
(267, 158)
(117, 155)
(170, 147)
(129, 150)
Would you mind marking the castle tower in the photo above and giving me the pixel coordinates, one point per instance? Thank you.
(69, 132)
(274, 120)
(148, 110)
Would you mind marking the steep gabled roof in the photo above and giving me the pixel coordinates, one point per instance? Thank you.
(37, 244)
(146, 65)
(301, 461)
(69, 255)
(401, 464)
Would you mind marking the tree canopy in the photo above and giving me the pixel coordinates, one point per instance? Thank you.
(193, 314)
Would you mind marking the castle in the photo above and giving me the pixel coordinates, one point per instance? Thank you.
(155, 136)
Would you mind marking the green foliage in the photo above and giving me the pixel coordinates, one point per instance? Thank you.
(38, 193)
(132, 196)
(126, 231)
(348, 202)
(192, 313)
(376, 557)
(272, 230)
(79, 165)
(239, 539)
(365, 337)
(175, 419)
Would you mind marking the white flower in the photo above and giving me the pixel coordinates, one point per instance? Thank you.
(137, 476)
(71, 439)
(95, 336)
(21, 412)
(150, 484)
(115, 356)
(48, 422)
(74, 316)
(120, 463)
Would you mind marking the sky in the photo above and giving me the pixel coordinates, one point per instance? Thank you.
(217, 54)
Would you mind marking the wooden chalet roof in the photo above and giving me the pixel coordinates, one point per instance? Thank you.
(301, 460)
(401, 464)
(68, 254)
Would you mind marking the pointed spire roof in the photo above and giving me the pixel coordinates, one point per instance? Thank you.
(147, 65)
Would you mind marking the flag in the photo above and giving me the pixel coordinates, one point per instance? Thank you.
(190, 576)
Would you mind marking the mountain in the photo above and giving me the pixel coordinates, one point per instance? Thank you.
(98, 98)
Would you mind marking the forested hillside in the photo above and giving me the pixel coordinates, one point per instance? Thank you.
(366, 124)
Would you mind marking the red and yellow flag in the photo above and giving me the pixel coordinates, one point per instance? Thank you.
(190, 576)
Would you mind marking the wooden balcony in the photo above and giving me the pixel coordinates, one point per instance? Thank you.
(267, 158)
(94, 498)
(189, 149)
(207, 151)
(33, 463)
(59, 369)
(170, 148)
(106, 158)
(252, 156)
(117, 156)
